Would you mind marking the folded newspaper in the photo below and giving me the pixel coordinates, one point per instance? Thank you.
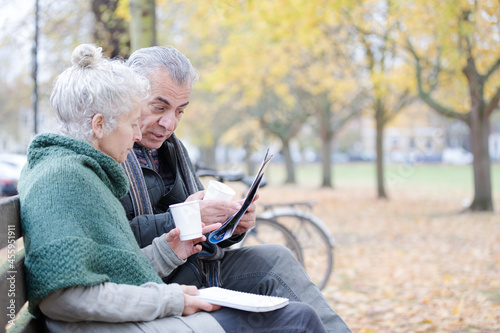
(242, 301)
(227, 228)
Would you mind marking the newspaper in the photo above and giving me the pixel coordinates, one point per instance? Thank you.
(242, 301)
(227, 228)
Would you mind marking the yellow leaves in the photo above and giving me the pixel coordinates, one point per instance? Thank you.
(368, 330)
(447, 278)
(281, 89)
(457, 309)
(248, 49)
(446, 24)
(279, 69)
(123, 10)
(208, 49)
(410, 249)
(237, 134)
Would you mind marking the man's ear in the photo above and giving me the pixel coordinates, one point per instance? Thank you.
(98, 126)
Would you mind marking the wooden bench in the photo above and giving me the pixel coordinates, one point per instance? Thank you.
(13, 300)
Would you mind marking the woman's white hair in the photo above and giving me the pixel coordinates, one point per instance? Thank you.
(95, 84)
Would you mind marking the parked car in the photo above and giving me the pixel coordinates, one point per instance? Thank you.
(10, 171)
(362, 156)
(339, 157)
(457, 156)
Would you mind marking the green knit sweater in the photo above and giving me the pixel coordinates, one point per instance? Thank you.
(75, 228)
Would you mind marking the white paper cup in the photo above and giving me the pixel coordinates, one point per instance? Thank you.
(218, 191)
(187, 218)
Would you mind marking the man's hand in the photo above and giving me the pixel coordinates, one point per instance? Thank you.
(218, 211)
(196, 196)
(247, 221)
(184, 249)
(193, 304)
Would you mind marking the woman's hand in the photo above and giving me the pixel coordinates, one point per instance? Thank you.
(187, 248)
(193, 304)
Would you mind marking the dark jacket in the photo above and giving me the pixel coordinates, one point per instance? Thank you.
(148, 227)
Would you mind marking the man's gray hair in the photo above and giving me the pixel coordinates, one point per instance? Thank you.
(95, 84)
(146, 60)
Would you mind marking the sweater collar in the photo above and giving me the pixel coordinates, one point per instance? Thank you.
(50, 145)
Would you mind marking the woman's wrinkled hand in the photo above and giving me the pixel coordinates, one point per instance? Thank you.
(193, 304)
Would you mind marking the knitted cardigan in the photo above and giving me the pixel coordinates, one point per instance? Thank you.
(74, 226)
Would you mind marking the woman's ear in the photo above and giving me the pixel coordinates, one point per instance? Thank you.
(98, 126)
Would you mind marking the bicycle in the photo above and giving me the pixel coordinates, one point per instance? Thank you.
(284, 223)
(316, 241)
(268, 231)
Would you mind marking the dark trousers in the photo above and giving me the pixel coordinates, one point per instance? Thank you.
(269, 269)
(295, 317)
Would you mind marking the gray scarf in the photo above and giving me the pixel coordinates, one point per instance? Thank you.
(208, 259)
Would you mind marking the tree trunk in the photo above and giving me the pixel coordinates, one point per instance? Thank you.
(477, 119)
(326, 134)
(326, 162)
(142, 23)
(207, 156)
(480, 131)
(482, 170)
(110, 31)
(290, 169)
(248, 158)
(380, 124)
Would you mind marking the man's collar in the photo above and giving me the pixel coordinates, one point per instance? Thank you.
(137, 145)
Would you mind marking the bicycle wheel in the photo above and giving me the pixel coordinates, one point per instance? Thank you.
(314, 238)
(270, 232)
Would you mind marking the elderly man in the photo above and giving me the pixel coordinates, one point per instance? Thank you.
(161, 174)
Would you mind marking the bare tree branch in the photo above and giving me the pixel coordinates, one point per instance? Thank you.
(493, 68)
(426, 95)
(404, 100)
(493, 104)
(434, 78)
(355, 107)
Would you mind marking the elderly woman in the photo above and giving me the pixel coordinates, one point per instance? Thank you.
(84, 268)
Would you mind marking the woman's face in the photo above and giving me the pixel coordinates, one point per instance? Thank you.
(118, 143)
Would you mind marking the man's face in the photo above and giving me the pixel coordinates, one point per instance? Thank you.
(162, 110)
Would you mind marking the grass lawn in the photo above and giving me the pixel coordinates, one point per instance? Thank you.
(397, 176)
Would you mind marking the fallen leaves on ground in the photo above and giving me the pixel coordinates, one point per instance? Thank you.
(413, 263)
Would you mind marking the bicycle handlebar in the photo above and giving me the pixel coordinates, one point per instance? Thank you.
(227, 175)
(232, 176)
(239, 176)
(308, 204)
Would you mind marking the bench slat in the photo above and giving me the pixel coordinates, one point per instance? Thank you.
(25, 323)
(13, 289)
(10, 221)
(12, 272)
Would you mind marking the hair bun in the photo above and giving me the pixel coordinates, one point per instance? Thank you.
(86, 55)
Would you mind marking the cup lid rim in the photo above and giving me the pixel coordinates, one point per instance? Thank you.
(184, 203)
